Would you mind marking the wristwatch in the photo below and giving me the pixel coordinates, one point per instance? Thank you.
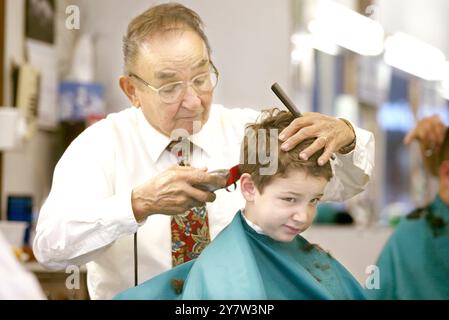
(348, 148)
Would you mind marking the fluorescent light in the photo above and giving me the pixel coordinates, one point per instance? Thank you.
(306, 41)
(324, 45)
(414, 56)
(296, 56)
(347, 28)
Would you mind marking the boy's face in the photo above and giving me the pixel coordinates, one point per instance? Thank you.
(287, 206)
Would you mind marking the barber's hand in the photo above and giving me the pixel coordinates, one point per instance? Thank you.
(429, 132)
(331, 133)
(172, 192)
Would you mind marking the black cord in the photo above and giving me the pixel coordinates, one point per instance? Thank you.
(135, 261)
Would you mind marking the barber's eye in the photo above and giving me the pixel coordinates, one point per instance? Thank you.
(171, 88)
(201, 80)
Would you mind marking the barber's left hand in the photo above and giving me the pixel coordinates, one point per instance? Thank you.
(331, 133)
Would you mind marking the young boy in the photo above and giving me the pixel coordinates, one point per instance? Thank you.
(260, 255)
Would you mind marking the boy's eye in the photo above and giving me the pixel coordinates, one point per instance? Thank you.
(291, 200)
(315, 201)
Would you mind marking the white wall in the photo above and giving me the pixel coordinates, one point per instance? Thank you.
(249, 39)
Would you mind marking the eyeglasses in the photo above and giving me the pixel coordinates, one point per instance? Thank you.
(174, 91)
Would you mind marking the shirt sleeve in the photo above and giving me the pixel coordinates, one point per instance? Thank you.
(353, 170)
(83, 214)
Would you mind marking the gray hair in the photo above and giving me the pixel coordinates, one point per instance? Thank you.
(159, 19)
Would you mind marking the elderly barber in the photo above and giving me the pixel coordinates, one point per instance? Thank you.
(120, 176)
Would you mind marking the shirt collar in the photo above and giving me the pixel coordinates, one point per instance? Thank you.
(253, 226)
(207, 138)
(156, 142)
(159, 141)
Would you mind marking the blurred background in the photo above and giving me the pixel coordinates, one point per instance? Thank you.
(381, 64)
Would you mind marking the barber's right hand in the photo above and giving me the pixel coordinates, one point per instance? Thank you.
(172, 192)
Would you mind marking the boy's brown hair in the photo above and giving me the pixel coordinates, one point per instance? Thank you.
(286, 161)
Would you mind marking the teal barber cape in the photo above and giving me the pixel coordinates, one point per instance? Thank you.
(414, 263)
(243, 264)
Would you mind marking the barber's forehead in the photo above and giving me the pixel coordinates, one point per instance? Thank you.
(176, 48)
(172, 69)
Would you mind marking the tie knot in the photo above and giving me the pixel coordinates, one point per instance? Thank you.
(182, 149)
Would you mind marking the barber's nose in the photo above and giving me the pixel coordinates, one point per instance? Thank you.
(191, 98)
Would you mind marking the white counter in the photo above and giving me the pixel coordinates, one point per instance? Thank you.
(354, 247)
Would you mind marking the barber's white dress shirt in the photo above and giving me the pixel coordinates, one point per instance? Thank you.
(88, 218)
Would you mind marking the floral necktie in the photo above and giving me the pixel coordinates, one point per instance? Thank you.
(190, 230)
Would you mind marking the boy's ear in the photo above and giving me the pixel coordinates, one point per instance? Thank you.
(247, 187)
(129, 90)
